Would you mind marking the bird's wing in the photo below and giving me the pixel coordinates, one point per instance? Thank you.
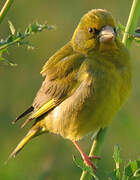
(72, 102)
(64, 52)
(61, 71)
(61, 77)
(76, 83)
(84, 94)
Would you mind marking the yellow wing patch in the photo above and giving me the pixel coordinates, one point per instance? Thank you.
(46, 107)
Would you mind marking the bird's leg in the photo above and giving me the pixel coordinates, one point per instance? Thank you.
(87, 159)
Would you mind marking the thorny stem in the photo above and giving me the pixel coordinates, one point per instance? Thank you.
(10, 43)
(96, 148)
(131, 23)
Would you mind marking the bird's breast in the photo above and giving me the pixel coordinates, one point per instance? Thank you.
(74, 120)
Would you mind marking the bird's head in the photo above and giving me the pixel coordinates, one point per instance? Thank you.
(96, 31)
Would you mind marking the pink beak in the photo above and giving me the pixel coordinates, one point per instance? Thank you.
(107, 34)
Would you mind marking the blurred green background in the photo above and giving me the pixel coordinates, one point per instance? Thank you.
(49, 157)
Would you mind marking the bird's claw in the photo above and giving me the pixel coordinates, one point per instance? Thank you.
(88, 161)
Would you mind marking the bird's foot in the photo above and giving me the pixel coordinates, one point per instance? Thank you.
(88, 161)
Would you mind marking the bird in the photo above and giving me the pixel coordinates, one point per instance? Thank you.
(86, 83)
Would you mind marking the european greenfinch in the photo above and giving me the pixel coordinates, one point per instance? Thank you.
(86, 83)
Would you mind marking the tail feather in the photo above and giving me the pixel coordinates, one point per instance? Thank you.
(30, 109)
(33, 132)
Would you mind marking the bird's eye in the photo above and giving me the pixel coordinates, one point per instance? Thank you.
(94, 31)
(90, 30)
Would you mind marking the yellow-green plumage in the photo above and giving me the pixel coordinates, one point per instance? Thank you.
(86, 82)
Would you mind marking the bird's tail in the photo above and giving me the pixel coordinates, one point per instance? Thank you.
(34, 131)
(29, 110)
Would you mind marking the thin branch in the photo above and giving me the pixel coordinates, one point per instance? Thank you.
(17, 37)
(131, 23)
(96, 148)
(11, 43)
(5, 9)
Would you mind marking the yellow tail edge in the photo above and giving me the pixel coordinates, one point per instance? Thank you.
(30, 135)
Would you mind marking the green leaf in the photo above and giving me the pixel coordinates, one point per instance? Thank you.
(36, 27)
(80, 163)
(135, 37)
(133, 169)
(1, 53)
(32, 28)
(1, 58)
(115, 175)
(121, 28)
(5, 61)
(116, 156)
(89, 177)
(17, 38)
(11, 38)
